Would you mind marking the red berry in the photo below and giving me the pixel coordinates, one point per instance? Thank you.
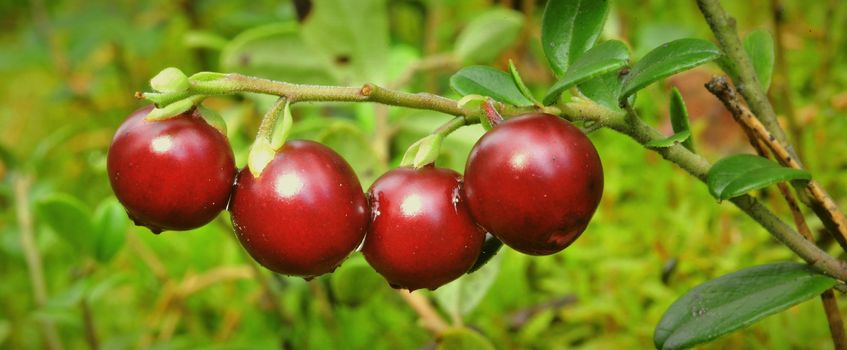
(172, 174)
(534, 181)
(421, 233)
(305, 212)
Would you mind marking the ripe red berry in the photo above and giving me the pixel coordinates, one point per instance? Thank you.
(421, 233)
(172, 174)
(534, 181)
(304, 214)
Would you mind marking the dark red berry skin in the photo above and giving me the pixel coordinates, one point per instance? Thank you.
(421, 234)
(304, 214)
(173, 174)
(534, 182)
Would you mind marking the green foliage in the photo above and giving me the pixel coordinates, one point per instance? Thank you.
(674, 139)
(602, 59)
(569, 28)
(605, 292)
(666, 60)
(461, 339)
(736, 300)
(487, 35)
(759, 47)
(742, 173)
(487, 81)
(462, 296)
(679, 118)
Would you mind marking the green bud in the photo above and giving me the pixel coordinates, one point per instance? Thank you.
(170, 80)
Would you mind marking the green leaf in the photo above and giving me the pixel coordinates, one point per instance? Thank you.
(679, 118)
(759, 46)
(487, 81)
(666, 60)
(68, 217)
(351, 35)
(670, 141)
(354, 282)
(276, 51)
(462, 296)
(424, 151)
(742, 173)
(569, 28)
(463, 339)
(516, 78)
(604, 58)
(603, 90)
(488, 34)
(110, 226)
(736, 300)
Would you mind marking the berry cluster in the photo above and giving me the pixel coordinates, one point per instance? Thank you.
(533, 182)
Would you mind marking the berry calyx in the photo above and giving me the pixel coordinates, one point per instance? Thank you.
(171, 174)
(534, 182)
(421, 234)
(303, 214)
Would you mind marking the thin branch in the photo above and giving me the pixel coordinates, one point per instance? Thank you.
(830, 304)
(821, 202)
(698, 167)
(430, 318)
(744, 75)
(33, 258)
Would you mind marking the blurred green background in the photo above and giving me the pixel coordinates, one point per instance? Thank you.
(72, 266)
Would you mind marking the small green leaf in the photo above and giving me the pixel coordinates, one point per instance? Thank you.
(569, 28)
(174, 109)
(463, 339)
(275, 51)
(742, 173)
(282, 127)
(213, 118)
(110, 225)
(679, 118)
(603, 90)
(423, 152)
(170, 80)
(759, 46)
(604, 58)
(488, 34)
(462, 296)
(736, 300)
(670, 141)
(354, 282)
(69, 218)
(487, 81)
(516, 78)
(666, 60)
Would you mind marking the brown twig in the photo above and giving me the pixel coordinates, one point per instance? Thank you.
(821, 203)
(830, 304)
(430, 319)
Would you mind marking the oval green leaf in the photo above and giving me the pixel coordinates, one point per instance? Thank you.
(69, 218)
(759, 46)
(487, 81)
(488, 34)
(736, 300)
(110, 225)
(601, 59)
(463, 295)
(674, 139)
(679, 118)
(666, 60)
(569, 28)
(463, 339)
(355, 282)
(516, 78)
(742, 173)
(604, 90)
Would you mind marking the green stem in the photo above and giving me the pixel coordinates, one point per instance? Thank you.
(741, 69)
(698, 167)
(234, 83)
